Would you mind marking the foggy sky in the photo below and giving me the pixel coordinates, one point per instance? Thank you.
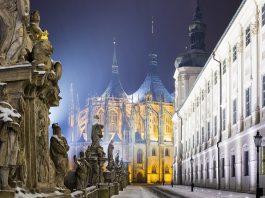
(82, 31)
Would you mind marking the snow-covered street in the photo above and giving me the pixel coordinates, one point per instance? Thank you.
(136, 191)
(158, 191)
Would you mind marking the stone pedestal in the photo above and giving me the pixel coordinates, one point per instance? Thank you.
(109, 176)
(7, 194)
(116, 188)
(103, 190)
(27, 91)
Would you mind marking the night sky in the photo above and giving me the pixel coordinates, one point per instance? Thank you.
(82, 31)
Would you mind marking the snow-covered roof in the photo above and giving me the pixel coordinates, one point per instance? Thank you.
(153, 86)
(114, 88)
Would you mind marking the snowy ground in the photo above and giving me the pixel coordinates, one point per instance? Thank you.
(148, 191)
(204, 192)
(135, 191)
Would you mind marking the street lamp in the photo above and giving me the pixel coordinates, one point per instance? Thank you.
(191, 164)
(257, 141)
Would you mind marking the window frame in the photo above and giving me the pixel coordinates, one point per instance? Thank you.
(247, 36)
(233, 166)
(234, 55)
(248, 102)
(235, 111)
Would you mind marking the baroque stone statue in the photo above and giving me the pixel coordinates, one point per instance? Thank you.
(96, 135)
(117, 158)
(83, 171)
(110, 165)
(9, 146)
(58, 151)
(13, 24)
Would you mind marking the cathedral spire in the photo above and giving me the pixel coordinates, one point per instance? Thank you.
(197, 30)
(115, 67)
(198, 14)
(153, 55)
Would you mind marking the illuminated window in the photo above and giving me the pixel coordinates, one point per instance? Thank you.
(223, 167)
(234, 111)
(215, 125)
(167, 170)
(214, 169)
(234, 53)
(215, 77)
(224, 119)
(248, 36)
(246, 161)
(207, 170)
(233, 165)
(263, 15)
(167, 152)
(248, 107)
(139, 156)
(193, 143)
(113, 121)
(196, 172)
(154, 169)
(202, 134)
(224, 66)
(201, 171)
(209, 87)
(263, 91)
(209, 130)
(153, 152)
(198, 137)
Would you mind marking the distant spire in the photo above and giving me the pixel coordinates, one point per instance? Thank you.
(77, 103)
(153, 55)
(153, 23)
(115, 68)
(198, 14)
(197, 30)
(72, 97)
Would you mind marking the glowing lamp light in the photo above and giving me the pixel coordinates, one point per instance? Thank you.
(258, 139)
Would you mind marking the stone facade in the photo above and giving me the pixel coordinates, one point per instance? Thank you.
(216, 122)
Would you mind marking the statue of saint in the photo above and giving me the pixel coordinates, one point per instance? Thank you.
(110, 166)
(117, 158)
(9, 145)
(96, 134)
(58, 151)
(82, 171)
(13, 24)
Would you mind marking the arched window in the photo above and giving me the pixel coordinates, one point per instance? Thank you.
(167, 152)
(167, 170)
(154, 169)
(153, 152)
(113, 121)
(101, 117)
(139, 156)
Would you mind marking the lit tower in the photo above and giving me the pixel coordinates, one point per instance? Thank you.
(188, 66)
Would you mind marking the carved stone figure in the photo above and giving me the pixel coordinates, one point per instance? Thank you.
(110, 166)
(58, 151)
(36, 32)
(95, 172)
(117, 158)
(82, 171)
(13, 23)
(9, 130)
(96, 135)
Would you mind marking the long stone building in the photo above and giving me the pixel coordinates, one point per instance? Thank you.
(220, 104)
(140, 124)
